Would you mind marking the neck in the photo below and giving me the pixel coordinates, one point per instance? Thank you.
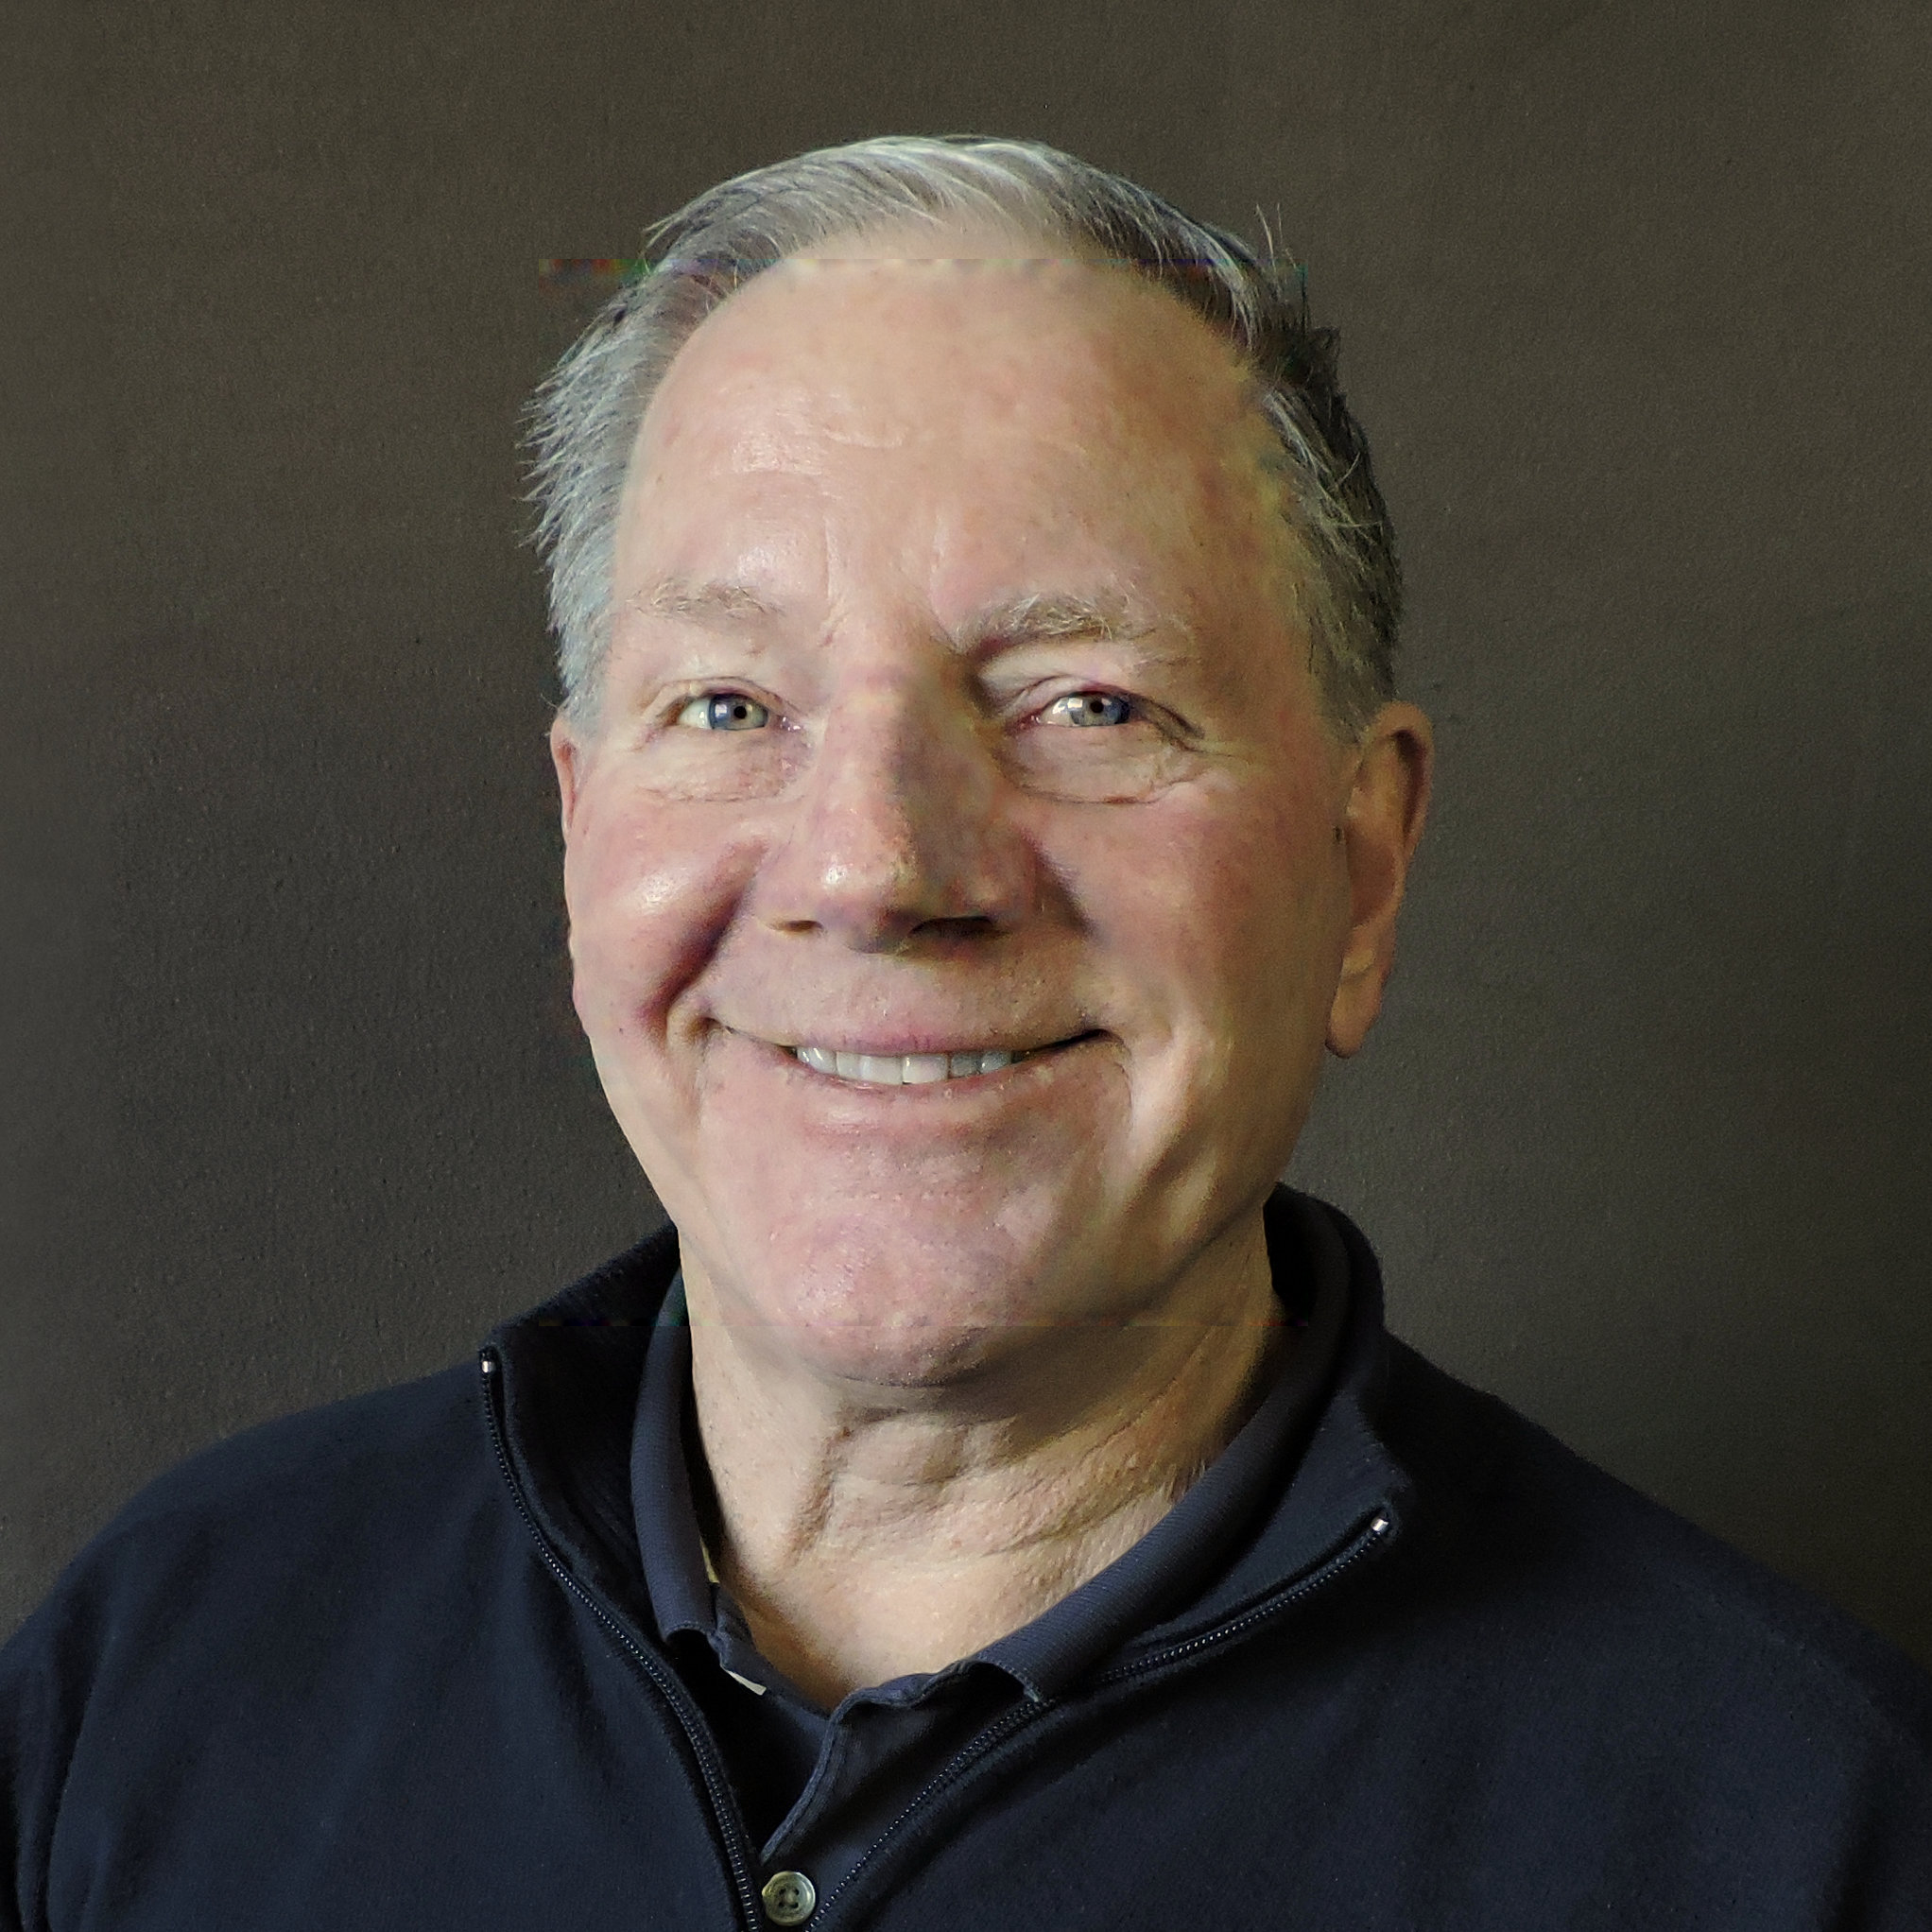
(868, 1532)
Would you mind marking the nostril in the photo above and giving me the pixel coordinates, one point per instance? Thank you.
(965, 926)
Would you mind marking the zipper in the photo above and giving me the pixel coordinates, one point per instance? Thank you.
(1360, 1542)
(950, 1774)
(717, 1785)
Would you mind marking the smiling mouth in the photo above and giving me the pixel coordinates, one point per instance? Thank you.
(919, 1069)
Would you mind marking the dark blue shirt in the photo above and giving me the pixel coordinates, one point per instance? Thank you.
(817, 1787)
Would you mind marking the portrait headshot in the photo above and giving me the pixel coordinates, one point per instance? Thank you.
(969, 971)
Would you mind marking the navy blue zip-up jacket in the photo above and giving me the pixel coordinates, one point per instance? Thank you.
(386, 1667)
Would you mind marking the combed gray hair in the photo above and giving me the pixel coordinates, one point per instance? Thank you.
(585, 418)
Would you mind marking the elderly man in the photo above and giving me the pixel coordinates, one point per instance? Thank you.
(996, 1501)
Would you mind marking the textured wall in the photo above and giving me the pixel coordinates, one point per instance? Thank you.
(1632, 299)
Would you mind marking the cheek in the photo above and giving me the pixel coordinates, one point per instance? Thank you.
(1219, 901)
(650, 888)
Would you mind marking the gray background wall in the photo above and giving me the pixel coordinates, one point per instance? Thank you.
(1633, 300)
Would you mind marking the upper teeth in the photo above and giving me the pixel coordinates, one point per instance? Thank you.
(904, 1069)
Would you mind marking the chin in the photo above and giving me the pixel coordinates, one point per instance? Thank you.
(906, 1357)
(893, 1299)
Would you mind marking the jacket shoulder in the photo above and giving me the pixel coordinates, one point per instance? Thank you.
(295, 1475)
(1535, 1540)
(298, 1509)
(237, 1596)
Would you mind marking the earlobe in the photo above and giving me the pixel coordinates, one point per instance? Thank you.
(1357, 1004)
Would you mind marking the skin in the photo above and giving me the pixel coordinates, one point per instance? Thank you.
(913, 507)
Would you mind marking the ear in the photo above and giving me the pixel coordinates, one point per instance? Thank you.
(569, 754)
(1387, 800)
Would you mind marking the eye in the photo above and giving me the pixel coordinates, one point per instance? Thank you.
(724, 711)
(1089, 708)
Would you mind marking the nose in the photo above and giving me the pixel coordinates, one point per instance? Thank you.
(900, 831)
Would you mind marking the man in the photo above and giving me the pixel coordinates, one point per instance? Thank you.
(996, 1502)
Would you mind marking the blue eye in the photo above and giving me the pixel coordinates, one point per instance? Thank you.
(1089, 708)
(725, 711)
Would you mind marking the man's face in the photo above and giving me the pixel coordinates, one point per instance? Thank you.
(954, 705)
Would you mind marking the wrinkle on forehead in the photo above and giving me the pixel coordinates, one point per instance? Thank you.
(698, 603)
(798, 422)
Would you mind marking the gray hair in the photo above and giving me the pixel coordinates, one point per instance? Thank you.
(584, 420)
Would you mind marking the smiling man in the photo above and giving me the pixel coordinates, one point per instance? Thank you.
(994, 1501)
(964, 876)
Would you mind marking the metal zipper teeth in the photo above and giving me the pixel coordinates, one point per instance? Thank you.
(1359, 1545)
(963, 1761)
(716, 1789)
(1325, 1572)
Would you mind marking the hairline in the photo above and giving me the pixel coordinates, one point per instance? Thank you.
(1345, 584)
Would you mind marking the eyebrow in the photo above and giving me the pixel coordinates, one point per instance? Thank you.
(1043, 615)
(1028, 617)
(1045, 618)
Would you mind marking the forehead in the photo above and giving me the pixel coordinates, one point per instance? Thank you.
(971, 397)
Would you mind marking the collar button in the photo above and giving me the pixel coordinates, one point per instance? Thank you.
(790, 1898)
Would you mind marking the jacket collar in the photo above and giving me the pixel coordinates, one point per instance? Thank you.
(1346, 1476)
(571, 1371)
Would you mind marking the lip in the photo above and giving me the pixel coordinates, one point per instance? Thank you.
(1025, 1059)
(899, 1046)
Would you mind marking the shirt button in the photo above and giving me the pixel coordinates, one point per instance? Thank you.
(789, 1898)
